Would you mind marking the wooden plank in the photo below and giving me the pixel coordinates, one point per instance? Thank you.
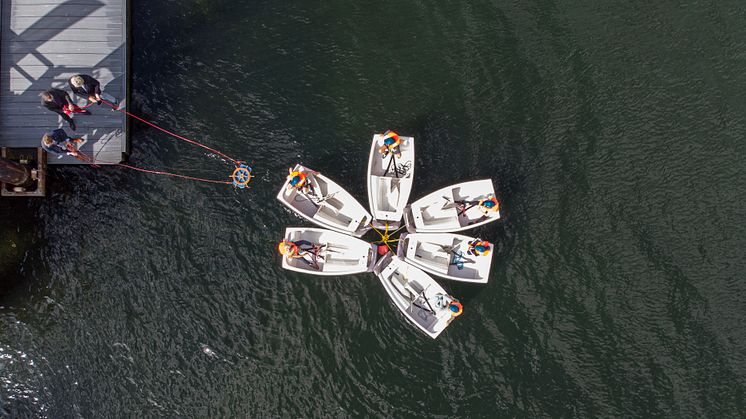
(69, 34)
(62, 9)
(34, 108)
(41, 86)
(96, 72)
(76, 59)
(20, 24)
(42, 120)
(88, 47)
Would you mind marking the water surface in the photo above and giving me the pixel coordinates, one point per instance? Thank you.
(613, 133)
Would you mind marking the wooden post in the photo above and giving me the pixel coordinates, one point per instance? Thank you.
(14, 173)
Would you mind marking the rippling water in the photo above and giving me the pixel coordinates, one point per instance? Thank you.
(613, 132)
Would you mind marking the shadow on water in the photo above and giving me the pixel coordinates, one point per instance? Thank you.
(19, 239)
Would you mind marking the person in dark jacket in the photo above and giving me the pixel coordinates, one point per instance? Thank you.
(59, 102)
(58, 142)
(89, 88)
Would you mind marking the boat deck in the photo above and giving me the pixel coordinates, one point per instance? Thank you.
(45, 42)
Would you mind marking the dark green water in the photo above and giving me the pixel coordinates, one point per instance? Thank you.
(614, 132)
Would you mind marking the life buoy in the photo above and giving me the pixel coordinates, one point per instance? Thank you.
(296, 179)
(287, 248)
(480, 247)
(456, 308)
(489, 204)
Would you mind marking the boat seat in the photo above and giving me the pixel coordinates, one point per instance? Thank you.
(327, 214)
(334, 203)
(388, 193)
(440, 217)
(332, 261)
(429, 255)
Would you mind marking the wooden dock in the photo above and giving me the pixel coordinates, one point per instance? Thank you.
(43, 44)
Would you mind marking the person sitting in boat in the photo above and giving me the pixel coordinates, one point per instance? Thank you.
(300, 249)
(489, 204)
(479, 247)
(391, 143)
(455, 308)
(89, 88)
(58, 142)
(299, 180)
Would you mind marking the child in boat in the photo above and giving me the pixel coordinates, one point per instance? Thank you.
(391, 142)
(300, 249)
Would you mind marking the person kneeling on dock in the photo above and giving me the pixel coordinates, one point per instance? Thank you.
(89, 88)
(59, 102)
(58, 142)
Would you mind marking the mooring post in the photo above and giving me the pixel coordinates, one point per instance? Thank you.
(14, 173)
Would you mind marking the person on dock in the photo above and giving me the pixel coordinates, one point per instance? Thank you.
(58, 142)
(86, 86)
(59, 102)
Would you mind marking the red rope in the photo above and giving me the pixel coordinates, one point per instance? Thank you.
(157, 172)
(198, 144)
(83, 157)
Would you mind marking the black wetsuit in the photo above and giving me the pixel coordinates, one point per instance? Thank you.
(60, 98)
(90, 87)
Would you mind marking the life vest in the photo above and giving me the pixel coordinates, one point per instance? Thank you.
(287, 248)
(391, 141)
(297, 179)
(480, 247)
(456, 308)
(489, 204)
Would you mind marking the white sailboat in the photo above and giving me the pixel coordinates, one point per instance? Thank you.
(422, 301)
(453, 208)
(325, 203)
(390, 181)
(324, 252)
(446, 255)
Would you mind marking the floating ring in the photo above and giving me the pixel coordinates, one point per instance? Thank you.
(241, 176)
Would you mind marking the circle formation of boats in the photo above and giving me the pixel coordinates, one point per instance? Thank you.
(430, 246)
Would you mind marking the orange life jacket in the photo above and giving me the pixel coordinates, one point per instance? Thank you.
(456, 308)
(288, 248)
(393, 145)
(480, 252)
(301, 179)
(486, 207)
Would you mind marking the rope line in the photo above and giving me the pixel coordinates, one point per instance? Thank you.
(198, 144)
(86, 158)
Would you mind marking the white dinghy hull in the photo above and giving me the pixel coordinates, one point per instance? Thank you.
(329, 205)
(336, 254)
(422, 300)
(445, 255)
(439, 212)
(390, 182)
